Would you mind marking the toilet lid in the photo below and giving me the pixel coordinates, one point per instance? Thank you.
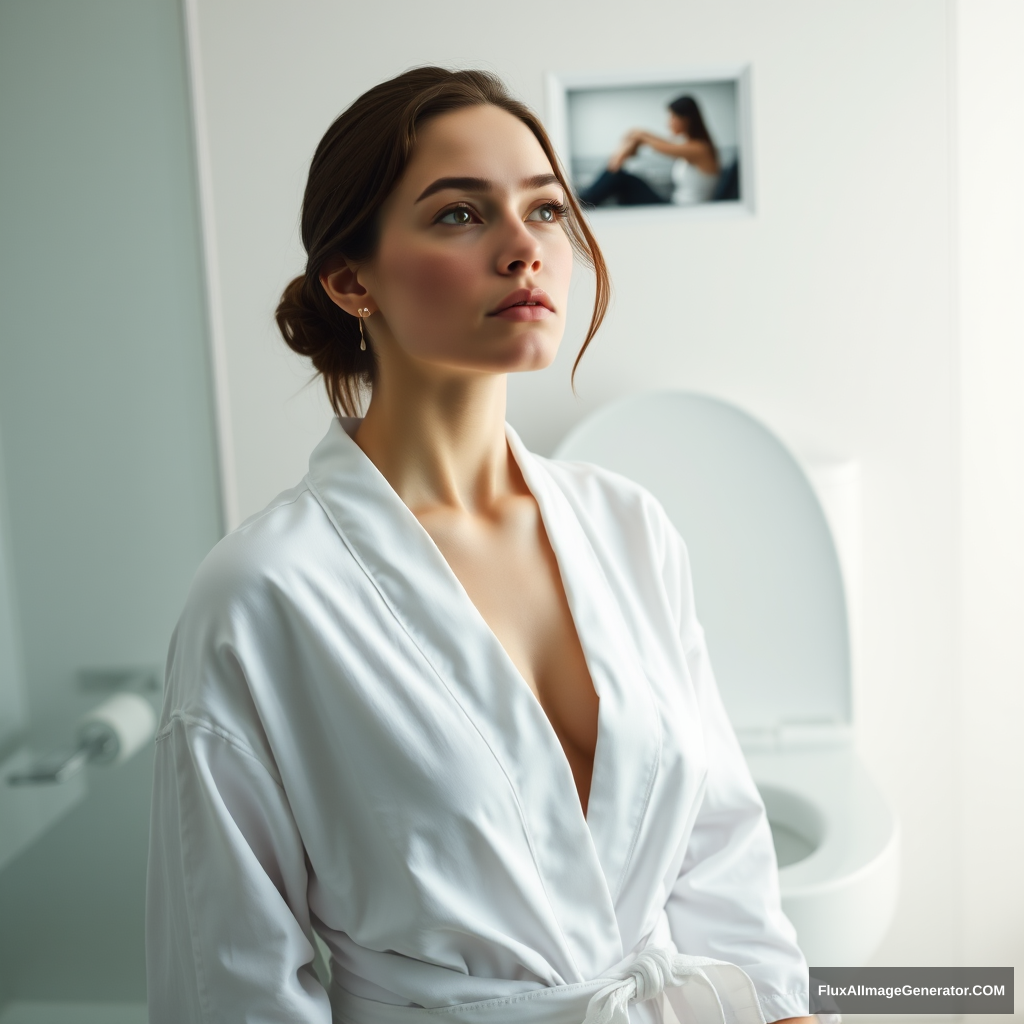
(766, 575)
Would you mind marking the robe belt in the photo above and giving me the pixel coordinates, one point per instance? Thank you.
(659, 967)
(713, 991)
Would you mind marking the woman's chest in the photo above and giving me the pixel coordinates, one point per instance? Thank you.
(510, 573)
(412, 752)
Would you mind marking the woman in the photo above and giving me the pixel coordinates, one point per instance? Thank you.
(446, 703)
(695, 167)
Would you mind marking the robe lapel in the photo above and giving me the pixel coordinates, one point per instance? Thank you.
(424, 595)
(629, 729)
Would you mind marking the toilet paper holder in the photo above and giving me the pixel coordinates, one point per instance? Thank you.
(109, 734)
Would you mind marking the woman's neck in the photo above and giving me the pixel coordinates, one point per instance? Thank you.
(440, 442)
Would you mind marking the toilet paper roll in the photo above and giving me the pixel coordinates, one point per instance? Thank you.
(118, 728)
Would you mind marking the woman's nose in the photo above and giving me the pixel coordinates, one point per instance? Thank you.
(521, 251)
(517, 265)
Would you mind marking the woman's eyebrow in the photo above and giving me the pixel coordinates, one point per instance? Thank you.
(482, 184)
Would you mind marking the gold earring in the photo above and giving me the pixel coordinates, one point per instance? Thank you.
(363, 312)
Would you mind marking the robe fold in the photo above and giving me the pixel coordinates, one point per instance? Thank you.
(345, 748)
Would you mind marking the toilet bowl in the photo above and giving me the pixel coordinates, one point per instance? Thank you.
(840, 889)
(775, 566)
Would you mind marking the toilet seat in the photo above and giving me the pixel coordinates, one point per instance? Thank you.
(841, 898)
(771, 598)
(857, 824)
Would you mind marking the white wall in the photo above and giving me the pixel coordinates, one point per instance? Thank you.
(990, 167)
(830, 313)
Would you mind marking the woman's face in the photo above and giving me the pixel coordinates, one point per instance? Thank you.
(677, 125)
(473, 264)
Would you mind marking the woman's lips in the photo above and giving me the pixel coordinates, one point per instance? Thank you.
(525, 304)
(524, 312)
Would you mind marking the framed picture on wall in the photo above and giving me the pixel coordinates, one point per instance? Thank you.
(656, 143)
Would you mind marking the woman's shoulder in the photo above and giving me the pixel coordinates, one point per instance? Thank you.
(282, 538)
(593, 479)
(609, 503)
(244, 605)
(633, 537)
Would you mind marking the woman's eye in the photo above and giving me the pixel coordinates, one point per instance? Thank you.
(548, 213)
(460, 215)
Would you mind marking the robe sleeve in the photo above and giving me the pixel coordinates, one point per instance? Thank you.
(228, 934)
(725, 902)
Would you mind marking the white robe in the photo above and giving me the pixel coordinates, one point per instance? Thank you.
(345, 746)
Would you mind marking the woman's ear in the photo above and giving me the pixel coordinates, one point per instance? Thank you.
(340, 280)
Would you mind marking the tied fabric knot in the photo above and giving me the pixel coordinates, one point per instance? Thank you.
(650, 971)
(653, 970)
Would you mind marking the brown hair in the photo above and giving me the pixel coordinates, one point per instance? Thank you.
(357, 164)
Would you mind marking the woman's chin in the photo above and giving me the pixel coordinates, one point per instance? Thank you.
(525, 351)
(531, 351)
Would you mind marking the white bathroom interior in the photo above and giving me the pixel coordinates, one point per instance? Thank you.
(860, 322)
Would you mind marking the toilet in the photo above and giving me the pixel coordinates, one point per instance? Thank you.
(774, 550)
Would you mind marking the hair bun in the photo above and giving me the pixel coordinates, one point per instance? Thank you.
(300, 322)
(315, 327)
